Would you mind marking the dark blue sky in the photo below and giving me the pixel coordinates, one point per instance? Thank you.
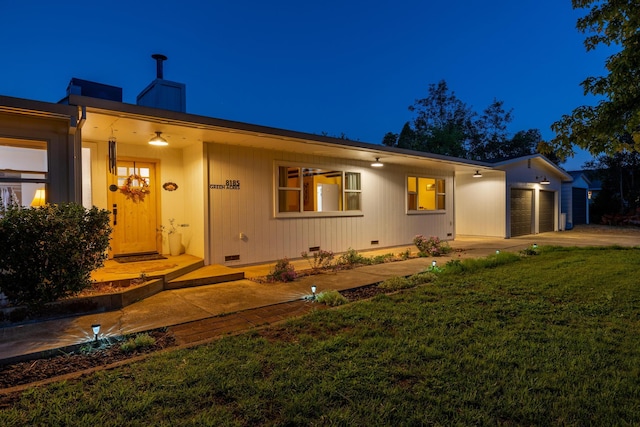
(335, 66)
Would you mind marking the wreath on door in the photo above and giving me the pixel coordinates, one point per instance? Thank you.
(135, 192)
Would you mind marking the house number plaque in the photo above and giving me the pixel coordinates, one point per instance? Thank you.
(229, 184)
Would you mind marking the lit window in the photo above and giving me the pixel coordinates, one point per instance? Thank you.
(23, 172)
(307, 190)
(425, 194)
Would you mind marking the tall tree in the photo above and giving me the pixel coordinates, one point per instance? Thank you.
(620, 178)
(613, 124)
(492, 136)
(407, 138)
(443, 123)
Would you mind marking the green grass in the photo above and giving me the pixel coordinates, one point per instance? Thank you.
(552, 339)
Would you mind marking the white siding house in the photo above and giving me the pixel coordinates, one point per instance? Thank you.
(241, 193)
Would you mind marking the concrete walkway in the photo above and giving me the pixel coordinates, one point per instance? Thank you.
(194, 308)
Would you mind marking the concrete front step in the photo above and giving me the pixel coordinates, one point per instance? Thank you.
(205, 275)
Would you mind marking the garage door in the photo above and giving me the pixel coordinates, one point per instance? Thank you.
(521, 212)
(579, 200)
(546, 211)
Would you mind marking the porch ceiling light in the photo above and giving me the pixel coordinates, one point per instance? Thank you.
(477, 174)
(543, 180)
(158, 139)
(377, 163)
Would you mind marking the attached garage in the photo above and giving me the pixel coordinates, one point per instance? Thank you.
(534, 198)
(521, 212)
(546, 211)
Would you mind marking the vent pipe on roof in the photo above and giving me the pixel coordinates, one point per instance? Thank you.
(159, 59)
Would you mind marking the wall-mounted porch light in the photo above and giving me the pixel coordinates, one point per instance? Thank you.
(158, 139)
(377, 163)
(543, 180)
(477, 174)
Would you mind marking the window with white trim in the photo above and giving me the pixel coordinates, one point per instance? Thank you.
(425, 194)
(306, 189)
(23, 172)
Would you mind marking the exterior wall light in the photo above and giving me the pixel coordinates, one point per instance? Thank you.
(477, 174)
(158, 140)
(377, 163)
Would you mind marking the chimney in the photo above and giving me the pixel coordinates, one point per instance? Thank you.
(159, 59)
(163, 93)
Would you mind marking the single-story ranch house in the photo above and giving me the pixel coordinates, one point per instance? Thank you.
(249, 193)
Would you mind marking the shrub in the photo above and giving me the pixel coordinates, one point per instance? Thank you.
(321, 259)
(381, 259)
(432, 246)
(396, 283)
(139, 341)
(405, 255)
(283, 271)
(352, 258)
(331, 298)
(49, 252)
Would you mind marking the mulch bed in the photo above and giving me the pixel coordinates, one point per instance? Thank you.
(41, 369)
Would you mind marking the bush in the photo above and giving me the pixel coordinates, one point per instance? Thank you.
(49, 252)
(351, 258)
(283, 271)
(321, 259)
(331, 298)
(396, 283)
(139, 341)
(432, 246)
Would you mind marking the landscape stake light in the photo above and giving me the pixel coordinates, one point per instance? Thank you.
(313, 291)
(96, 330)
(433, 263)
(497, 252)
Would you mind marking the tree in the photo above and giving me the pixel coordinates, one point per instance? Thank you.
(620, 178)
(443, 123)
(491, 138)
(390, 139)
(613, 124)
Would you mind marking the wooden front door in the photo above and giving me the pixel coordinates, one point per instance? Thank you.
(134, 210)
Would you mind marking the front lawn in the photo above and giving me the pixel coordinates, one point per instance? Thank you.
(553, 339)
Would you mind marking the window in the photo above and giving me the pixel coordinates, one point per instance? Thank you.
(23, 172)
(306, 190)
(425, 194)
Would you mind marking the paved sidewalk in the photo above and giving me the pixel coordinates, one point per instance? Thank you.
(194, 311)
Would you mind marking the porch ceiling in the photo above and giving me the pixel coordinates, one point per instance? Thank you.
(137, 129)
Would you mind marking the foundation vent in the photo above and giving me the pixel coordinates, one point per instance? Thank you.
(231, 258)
